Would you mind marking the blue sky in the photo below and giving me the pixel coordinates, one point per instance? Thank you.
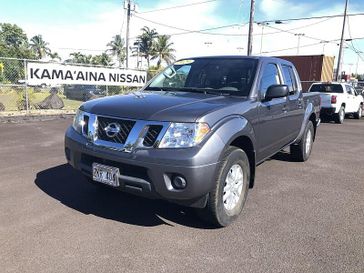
(81, 11)
(89, 24)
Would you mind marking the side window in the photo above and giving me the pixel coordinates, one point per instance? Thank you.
(270, 76)
(348, 90)
(289, 79)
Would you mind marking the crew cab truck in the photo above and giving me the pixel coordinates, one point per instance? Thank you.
(338, 99)
(195, 133)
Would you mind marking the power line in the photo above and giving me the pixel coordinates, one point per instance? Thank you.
(180, 6)
(310, 17)
(288, 31)
(295, 28)
(187, 31)
(308, 45)
(358, 52)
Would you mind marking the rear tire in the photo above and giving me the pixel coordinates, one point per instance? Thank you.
(302, 150)
(339, 117)
(359, 113)
(227, 199)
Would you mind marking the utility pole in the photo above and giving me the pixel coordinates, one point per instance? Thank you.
(251, 22)
(338, 68)
(128, 7)
(299, 35)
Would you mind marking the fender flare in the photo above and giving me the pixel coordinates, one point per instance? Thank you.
(230, 129)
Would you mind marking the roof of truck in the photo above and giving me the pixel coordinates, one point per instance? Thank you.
(234, 57)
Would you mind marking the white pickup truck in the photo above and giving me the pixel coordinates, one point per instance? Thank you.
(338, 99)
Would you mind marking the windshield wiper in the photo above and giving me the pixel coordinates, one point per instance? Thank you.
(211, 91)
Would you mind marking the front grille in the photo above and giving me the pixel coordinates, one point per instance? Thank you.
(152, 135)
(125, 128)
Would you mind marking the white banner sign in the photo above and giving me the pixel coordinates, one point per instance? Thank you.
(50, 74)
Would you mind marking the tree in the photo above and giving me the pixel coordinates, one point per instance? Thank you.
(145, 42)
(12, 36)
(14, 42)
(54, 56)
(117, 48)
(79, 58)
(162, 50)
(103, 59)
(39, 46)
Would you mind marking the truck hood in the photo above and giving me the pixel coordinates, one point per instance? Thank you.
(160, 106)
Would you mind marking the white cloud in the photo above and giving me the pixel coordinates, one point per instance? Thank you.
(282, 8)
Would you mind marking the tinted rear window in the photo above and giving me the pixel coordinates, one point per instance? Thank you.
(327, 88)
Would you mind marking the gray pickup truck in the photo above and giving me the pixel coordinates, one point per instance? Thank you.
(195, 133)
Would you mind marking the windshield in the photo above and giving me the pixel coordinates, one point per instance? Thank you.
(327, 88)
(220, 75)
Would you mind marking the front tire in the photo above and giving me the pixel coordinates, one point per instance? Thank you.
(359, 114)
(302, 150)
(228, 197)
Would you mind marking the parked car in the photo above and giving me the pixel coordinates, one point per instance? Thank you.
(195, 133)
(360, 90)
(338, 99)
(82, 92)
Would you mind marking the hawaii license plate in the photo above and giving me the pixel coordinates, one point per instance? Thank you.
(105, 174)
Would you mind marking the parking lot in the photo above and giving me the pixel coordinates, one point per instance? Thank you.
(300, 217)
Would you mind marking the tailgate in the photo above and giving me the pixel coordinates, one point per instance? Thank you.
(326, 100)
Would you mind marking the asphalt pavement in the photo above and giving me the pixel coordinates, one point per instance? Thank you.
(300, 217)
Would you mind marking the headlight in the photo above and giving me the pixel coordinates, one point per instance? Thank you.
(182, 135)
(78, 121)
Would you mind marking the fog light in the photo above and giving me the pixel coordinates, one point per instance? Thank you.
(179, 183)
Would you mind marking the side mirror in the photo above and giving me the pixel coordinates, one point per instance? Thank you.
(276, 91)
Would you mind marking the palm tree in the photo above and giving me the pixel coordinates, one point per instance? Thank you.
(54, 56)
(79, 58)
(103, 59)
(117, 48)
(39, 46)
(162, 50)
(145, 42)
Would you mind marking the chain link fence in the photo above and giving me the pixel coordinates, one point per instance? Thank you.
(17, 96)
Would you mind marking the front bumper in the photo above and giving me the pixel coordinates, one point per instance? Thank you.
(149, 172)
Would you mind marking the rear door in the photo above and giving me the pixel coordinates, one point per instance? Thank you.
(271, 133)
(295, 109)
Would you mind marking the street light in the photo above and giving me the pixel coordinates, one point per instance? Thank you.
(262, 24)
(299, 35)
(357, 62)
(323, 46)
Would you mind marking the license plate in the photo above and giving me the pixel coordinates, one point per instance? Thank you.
(105, 174)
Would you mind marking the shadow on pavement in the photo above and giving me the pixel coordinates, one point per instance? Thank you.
(282, 156)
(71, 189)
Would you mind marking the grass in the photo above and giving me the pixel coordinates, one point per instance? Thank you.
(10, 98)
